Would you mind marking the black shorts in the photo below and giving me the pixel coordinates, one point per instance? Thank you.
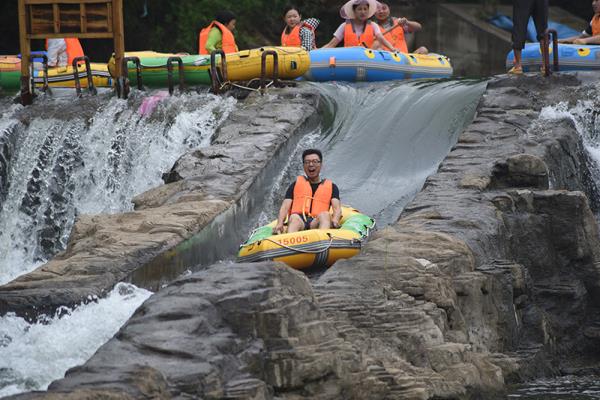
(307, 219)
(522, 10)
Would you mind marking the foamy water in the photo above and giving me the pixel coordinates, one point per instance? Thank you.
(587, 122)
(65, 167)
(32, 355)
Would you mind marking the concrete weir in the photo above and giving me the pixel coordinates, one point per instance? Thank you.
(180, 225)
(491, 276)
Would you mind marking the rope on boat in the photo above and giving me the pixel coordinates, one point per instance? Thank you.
(229, 83)
(331, 239)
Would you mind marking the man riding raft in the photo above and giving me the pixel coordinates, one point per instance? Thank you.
(309, 199)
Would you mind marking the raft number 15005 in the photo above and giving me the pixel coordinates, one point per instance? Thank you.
(293, 240)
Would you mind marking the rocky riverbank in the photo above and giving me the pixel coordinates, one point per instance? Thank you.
(490, 276)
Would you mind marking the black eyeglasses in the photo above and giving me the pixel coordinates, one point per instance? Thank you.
(312, 162)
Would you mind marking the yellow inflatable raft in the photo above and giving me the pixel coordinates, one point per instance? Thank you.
(10, 74)
(65, 76)
(293, 62)
(311, 248)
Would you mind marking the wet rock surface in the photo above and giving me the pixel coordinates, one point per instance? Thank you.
(490, 276)
(106, 249)
(232, 331)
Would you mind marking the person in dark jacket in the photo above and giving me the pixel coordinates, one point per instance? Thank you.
(522, 10)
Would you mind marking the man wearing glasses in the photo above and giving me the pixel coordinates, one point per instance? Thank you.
(308, 200)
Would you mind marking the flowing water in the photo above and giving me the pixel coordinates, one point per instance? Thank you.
(34, 355)
(86, 159)
(381, 141)
(586, 118)
(562, 388)
(63, 157)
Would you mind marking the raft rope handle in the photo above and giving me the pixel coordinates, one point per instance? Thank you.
(331, 239)
(229, 83)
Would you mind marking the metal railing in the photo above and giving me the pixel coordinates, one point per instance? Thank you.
(88, 71)
(263, 69)
(550, 33)
(170, 61)
(44, 57)
(123, 84)
(138, 70)
(214, 72)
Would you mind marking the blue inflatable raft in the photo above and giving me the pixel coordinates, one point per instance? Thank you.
(358, 64)
(571, 57)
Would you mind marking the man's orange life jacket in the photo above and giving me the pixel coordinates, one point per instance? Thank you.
(228, 42)
(395, 37)
(304, 203)
(74, 49)
(293, 38)
(351, 39)
(596, 25)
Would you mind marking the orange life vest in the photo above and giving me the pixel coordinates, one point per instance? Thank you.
(74, 49)
(228, 42)
(396, 37)
(304, 203)
(293, 38)
(351, 39)
(596, 25)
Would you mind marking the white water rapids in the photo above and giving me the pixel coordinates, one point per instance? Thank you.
(34, 355)
(586, 118)
(65, 167)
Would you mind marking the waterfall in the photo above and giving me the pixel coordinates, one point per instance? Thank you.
(62, 163)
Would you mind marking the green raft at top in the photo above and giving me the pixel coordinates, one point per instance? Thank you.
(196, 68)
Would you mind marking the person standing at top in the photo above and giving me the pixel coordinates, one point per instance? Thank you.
(219, 34)
(308, 200)
(358, 30)
(298, 33)
(592, 33)
(394, 28)
(522, 10)
(61, 52)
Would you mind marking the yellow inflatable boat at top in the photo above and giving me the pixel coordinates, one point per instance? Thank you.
(293, 62)
(65, 76)
(10, 74)
(310, 248)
